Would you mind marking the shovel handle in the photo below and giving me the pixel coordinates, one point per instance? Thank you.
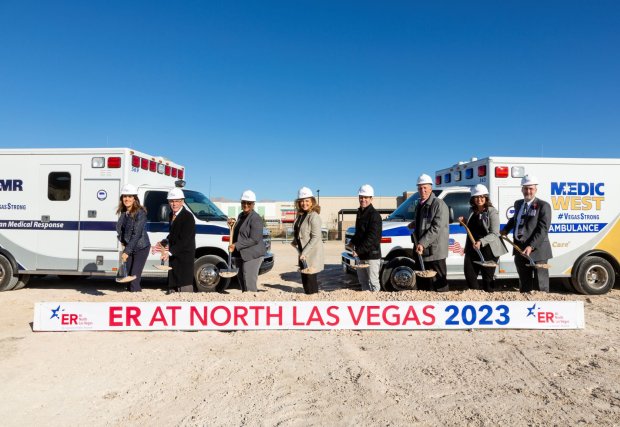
(471, 236)
(473, 241)
(519, 250)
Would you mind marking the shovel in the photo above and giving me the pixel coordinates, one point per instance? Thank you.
(162, 265)
(121, 276)
(229, 271)
(423, 272)
(482, 262)
(532, 263)
(360, 264)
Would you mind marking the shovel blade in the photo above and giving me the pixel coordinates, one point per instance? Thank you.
(162, 267)
(229, 272)
(125, 279)
(426, 273)
(486, 263)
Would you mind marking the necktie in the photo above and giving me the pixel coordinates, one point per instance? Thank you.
(174, 217)
(524, 210)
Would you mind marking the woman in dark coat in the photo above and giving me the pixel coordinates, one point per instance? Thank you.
(131, 232)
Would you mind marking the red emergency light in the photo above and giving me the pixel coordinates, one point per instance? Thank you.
(135, 161)
(438, 180)
(174, 172)
(181, 173)
(386, 240)
(501, 171)
(144, 164)
(114, 162)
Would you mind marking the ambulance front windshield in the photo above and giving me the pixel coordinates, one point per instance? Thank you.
(202, 207)
(406, 211)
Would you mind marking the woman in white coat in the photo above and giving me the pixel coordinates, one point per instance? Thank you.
(308, 239)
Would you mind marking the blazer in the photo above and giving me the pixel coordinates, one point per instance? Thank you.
(367, 238)
(432, 228)
(250, 243)
(490, 221)
(535, 229)
(131, 232)
(182, 246)
(312, 241)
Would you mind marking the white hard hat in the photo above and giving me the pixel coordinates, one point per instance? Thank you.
(129, 190)
(248, 196)
(366, 190)
(529, 180)
(176, 194)
(425, 179)
(479, 190)
(304, 193)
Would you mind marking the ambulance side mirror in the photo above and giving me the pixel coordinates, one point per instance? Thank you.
(450, 215)
(164, 213)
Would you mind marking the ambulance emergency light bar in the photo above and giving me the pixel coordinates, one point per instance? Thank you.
(139, 162)
(500, 172)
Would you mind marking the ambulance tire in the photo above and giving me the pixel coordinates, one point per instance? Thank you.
(207, 273)
(398, 275)
(7, 280)
(595, 276)
(22, 281)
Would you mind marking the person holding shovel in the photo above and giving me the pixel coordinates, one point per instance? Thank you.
(431, 234)
(131, 232)
(247, 246)
(366, 243)
(483, 224)
(530, 225)
(308, 239)
(181, 248)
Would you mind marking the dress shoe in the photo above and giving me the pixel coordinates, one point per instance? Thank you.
(170, 291)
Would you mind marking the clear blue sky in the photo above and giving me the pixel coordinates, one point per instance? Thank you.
(273, 95)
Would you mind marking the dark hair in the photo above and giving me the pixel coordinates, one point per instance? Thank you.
(133, 210)
(487, 203)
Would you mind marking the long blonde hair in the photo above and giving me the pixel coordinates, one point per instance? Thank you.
(315, 208)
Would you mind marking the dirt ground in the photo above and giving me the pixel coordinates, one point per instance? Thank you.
(480, 377)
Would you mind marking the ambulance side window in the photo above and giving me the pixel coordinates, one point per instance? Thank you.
(59, 186)
(459, 202)
(152, 202)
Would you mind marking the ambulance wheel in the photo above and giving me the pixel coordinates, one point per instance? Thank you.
(595, 276)
(22, 281)
(7, 281)
(207, 273)
(399, 275)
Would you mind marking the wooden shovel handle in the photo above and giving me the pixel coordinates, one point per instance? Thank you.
(513, 245)
(471, 236)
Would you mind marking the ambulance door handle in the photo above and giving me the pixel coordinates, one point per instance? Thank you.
(45, 218)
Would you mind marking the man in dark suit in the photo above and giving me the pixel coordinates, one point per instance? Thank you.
(530, 223)
(181, 247)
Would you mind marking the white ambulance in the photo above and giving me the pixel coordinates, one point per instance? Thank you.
(584, 234)
(58, 214)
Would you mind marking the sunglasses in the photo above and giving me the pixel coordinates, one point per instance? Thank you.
(247, 203)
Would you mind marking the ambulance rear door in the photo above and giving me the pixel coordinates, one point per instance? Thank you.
(57, 225)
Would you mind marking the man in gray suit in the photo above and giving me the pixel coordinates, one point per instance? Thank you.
(431, 234)
(531, 223)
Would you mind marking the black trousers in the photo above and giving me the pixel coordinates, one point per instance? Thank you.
(135, 265)
(438, 283)
(530, 277)
(310, 282)
(471, 270)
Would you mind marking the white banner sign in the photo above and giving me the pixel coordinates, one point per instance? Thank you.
(309, 315)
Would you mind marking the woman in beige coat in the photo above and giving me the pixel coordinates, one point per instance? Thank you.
(308, 239)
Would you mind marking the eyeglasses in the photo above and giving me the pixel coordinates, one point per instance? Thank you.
(247, 203)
